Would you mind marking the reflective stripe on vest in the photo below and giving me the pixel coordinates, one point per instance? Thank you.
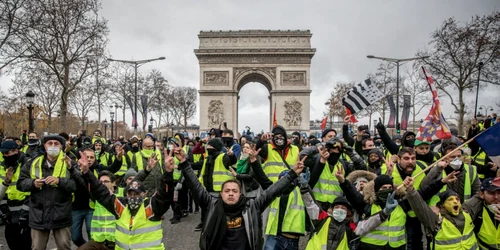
(103, 224)
(123, 169)
(470, 176)
(138, 232)
(274, 164)
(391, 231)
(295, 216)
(488, 236)
(396, 177)
(220, 173)
(319, 240)
(448, 236)
(12, 192)
(480, 159)
(60, 169)
(328, 187)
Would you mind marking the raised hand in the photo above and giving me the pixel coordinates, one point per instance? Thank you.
(152, 161)
(68, 162)
(299, 165)
(324, 155)
(452, 177)
(120, 152)
(442, 164)
(390, 167)
(229, 151)
(83, 163)
(8, 175)
(266, 136)
(253, 155)
(340, 174)
(391, 204)
(179, 154)
(169, 160)
(408, 183)
(347, 119)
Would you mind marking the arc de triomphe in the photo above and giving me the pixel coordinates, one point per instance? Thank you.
(280, 60)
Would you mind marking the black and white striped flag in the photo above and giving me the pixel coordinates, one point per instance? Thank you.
(361, 96)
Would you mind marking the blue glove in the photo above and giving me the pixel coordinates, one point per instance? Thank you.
(304, 178)
(390, 204)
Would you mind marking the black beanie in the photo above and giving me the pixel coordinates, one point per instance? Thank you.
(279, 130)
(382, 180)
(445, 195)
(326, 131)
(340, 200)
(216, 143)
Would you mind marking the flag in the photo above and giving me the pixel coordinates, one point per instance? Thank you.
(489, 141)
(275, 121)
(323, 123)
(392, 108)
(406, 111)
(352, 119)
(434, 126)
(361, 96)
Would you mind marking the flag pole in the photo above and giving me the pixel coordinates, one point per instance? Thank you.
(450, 153)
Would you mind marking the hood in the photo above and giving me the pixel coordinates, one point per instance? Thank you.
(280, 130)
(378, 152)
(396, 137)
(354, 175)
(403, 138)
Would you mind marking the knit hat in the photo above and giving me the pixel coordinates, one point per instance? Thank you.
(340, 200)
(54, 137)
(382, 180)
(150, 135)
(216, 143)
(326, 131)
(279, 130)
(130, 172)
(445, 195)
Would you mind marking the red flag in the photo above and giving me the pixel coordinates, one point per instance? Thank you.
(352, 118)
(275, 121)
(434, 126)
(323, 123)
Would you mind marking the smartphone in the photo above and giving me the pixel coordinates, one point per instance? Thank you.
(175, 141)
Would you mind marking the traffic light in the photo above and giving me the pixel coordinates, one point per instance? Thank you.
(398, 128)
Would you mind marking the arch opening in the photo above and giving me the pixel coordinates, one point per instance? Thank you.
(253, 105)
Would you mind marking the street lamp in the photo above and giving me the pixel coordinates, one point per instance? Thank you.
(490, 108)
(397, 62)
(136, 65)
(112, 114)
(374, 127)
(116, 112)
(105, 128)
(479, 67)
(30, 99)
(150, 127)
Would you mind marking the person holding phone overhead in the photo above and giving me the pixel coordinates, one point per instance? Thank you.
(140, 159)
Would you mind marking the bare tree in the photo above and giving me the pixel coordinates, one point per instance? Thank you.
(336, 108)
(120, 82)
(186, 103)
(12, 18)
(385, 80)
(416, 86)
(151, 86)
(457, 50)
(62, 34)
(82, 101)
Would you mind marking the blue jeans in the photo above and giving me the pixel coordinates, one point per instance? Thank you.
(279, 242)
(76, 227)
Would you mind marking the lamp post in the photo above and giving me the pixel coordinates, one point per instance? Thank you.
(105, 128)
(112, 114)
(398, 63)
(479, 67)
(374, 127)
(150, 127)
(116, 112)
(490, 108)
(30, 99)
(136, 65)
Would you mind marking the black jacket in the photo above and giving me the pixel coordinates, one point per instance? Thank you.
(251, 213)
(50, 206)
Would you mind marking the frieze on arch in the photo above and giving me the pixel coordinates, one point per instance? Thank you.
(215, 113)
(216, 78)
(270, 71)
(257, 59)
(293, 113)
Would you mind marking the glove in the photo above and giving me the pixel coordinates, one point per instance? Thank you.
(23, 222)
(178, 187)
(380, 125)
(390, 204)
(304, 179)
(348, 148)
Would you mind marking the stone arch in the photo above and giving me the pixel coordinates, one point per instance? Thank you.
(278, 59)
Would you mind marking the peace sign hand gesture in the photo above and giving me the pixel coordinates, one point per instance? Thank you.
(229, 152)
(299, 166)
(253, 154)
(152, 161)
(83, 163)
(169, 160)
(340, 174)
(324, 155)
(120, 152)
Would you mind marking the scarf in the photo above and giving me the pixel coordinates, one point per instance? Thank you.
(217, 227)
(241, 167)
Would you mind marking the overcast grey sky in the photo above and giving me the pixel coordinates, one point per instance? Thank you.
(344, 32)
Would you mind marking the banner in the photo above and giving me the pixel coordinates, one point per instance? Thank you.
(392, 108)
(323, 123)
(406, 111)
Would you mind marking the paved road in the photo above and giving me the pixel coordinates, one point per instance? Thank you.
(180, 236)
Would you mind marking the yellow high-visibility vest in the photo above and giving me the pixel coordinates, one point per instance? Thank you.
(392, 231)
(274, 164)
(448, 236)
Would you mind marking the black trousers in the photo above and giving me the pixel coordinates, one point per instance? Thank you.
(17, 237)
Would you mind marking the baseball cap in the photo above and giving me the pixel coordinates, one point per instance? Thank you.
(418, 142)
(137, 187)
(490, 184)
(8, 145)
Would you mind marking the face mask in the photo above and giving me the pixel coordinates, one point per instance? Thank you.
(398, 143)
(134, 203)
(11, 160)
(53, 151)
(456, 164)
(339, 214)
(228, 141)
(135, 149)
(33, 142)
(296, 141)
(244, 156)
(147, 151)
(212, 151)
(382, 196)
(279, 142)
(410, 142)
